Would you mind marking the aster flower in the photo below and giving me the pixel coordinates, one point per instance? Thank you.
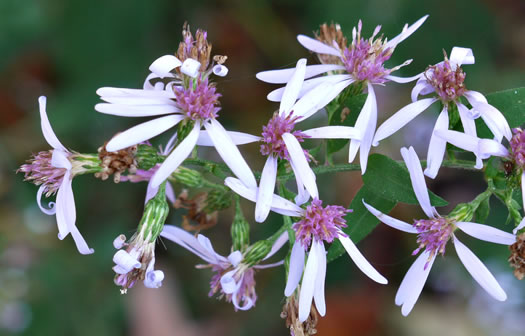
(179, 91)
(53, 171)
(433, 234)
(316, 225)
(446, 79)
(361, 63)
(233, 276)
(281, 142)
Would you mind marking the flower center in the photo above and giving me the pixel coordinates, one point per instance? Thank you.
(199, 101)
(447, 83)
(39, 171)
(196, 48)
(433, 234)
(364, 58)
(322, 223)
(517, 146)
(272, 135)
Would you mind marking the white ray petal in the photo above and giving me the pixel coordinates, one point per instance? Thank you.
(333, 132)
(47, 130)
(132, 101)
(390, 221)
(266, 189)
(487, 233)
(238, 138)
(460, 56)
(403, 80)
(308, 284)
(479, 272)
(106, 92)
(64, 213)
(437, 146)
(179, 154)
(277, 94)
(296, 268)
(494, 119)
(142, 132)
(302, 194)
(367, 122)
(422, 87)
(59, 159)
(413, 282)
(283, 75)
(401, 118)
(319, 298)
(405, 33)
(292, 88)
(308, 104)
(418, 181)
(301, 166)
(317, 46)
(229, 152)
(124, 110)
(360, 260)
(52, 206)
(163, 65)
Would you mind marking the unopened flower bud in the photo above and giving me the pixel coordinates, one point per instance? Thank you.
(218, 199)
(240, 230)
(147, 157)
(257, 252)
(188, 177)
(463, 212)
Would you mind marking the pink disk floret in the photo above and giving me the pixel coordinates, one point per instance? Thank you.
(199, 101)
(433, 235)
(40, 171)
(272, 136)
(448, 83)
(246, 287)
(322, 223)
(517, 146)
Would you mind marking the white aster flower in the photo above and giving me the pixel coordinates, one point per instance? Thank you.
(54, 171)
(446, 79)
(188, 98)
(233, 278)
(433, 235)
(362, 63)
(316, 225)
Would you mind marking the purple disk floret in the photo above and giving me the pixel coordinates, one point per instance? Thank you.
(517, 146)
(321, 223)
(39, 171)
(246, 287)
(272, 136)
(199, 101)
(433, 235)
(448, 83)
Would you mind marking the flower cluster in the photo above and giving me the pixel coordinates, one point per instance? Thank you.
(180, 94)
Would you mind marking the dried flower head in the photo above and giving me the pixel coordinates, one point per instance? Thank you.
(517, 256)
(197, 48)
(331, 35)
(290, 314)
(40, 171)
(116, 162)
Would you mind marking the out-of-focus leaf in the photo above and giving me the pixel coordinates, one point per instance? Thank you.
(391, 181)
(346, 115)
(482, 212)
(360, 221)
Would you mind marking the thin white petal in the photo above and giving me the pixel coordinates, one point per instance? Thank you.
(142, 132)
(52, 206)
(319, 298)
(124, 110)
(105, 92)
(479, 272)
(398, 79)
(302, 194)
(401, 118)
(487, 233)
(520, 226)
(279, 242)
(189, 242)
(238, 138)
(291, 91)
(333, 132)
(459, 56)
(390, 221)
(317, 46)
(47, 130)
(266, 188)
(190, 67)
(413, 282)
(163, 65)
(437, 146)
(469, 124)
(300, 165)
(59, 159)
(150, 192)
(64, 213)
(308, 104)
(367, 122)
(308, 284)
(422, 87)
(170, 193)
(405, 33)
(418, 181)
(229, 152)
(132, 101)
(179, 154)
(494, 119)
(360, 260)
(296, 268)
(309, 84)
(283, 75)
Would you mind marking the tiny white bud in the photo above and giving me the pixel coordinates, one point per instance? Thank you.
(119, 241)
(220, 70)
(190, 67)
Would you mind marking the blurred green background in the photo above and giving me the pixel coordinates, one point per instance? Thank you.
(67, 49)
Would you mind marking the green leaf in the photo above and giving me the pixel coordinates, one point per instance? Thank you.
(391, 181)
(361, 222)
(354, 104)
(509, 102)
(483, 210)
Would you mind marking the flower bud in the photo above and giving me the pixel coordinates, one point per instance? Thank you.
(147, 157)
(257, 252)
(240, 230)
(189, 177)
(218, 199)
(463, 212)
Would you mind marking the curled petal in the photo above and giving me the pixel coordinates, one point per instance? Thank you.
(220, 70)
(190, 67)
(154, 279)
(52, 206)
(296, 268)
(163, 65)
(47, 130)
(437, 146)
(459, 56)
(125, 261)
